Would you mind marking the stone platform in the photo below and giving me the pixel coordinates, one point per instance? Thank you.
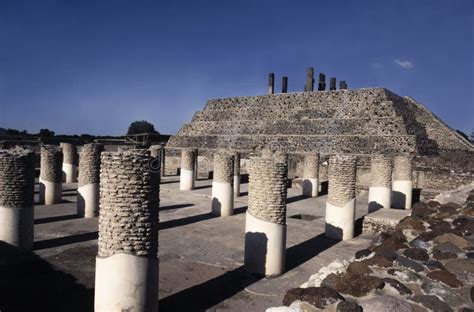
(383, 220)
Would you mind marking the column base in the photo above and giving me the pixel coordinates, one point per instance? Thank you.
(88, 200)
(379, 197)
(125, 282)
(310, 187)
(69, 173)
(17, 227)
(237, 186)
(222, 199)
(186, 180)
(50, 193)
(265, 246)
(402, 194)
(340, 221)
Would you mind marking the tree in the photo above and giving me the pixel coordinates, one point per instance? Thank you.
(45, 133)
(142, 126)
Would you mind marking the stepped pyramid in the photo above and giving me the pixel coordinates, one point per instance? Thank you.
(359, 121)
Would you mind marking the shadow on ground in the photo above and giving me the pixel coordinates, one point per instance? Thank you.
(61, 241)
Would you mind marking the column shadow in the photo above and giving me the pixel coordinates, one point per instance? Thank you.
(177, 206)
(57, 218)
(61, 241)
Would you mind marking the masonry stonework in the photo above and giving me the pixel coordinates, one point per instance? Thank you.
(222, 188)
(51, 175)
(380, 190)
(89, 176)
(310, 183)
(402, 185)
(69, 166)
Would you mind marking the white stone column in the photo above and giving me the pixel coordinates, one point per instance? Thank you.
(265, 220)
(127, 262)
(340, 206)
(402, 185)
(88, 186)
(236, 174)
(222, 190)
(310, 183)
(186, 180)
(380, 190)
(17, 182)
(51, 175)
(69, 162)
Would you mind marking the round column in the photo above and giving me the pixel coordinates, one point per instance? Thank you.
(17, 182)
(222, 190)
(265, 220)
(380, 190)
(162, 161)
(310, 181)
(127, 262)
(69, 162)
(340, 206)
(236, 174)
(186, 180)
(402, 185)
(88, 186)
(51, 175)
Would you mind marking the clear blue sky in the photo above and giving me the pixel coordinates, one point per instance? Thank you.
(93, 66)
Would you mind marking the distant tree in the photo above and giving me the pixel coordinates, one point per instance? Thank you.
(46, 133)
(11, 131)
(463, 134)
(141, 126)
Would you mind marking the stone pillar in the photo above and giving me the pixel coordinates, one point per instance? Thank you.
(265, 220)
(126, 276)
(196, 163)
(402, 185)
(340, 206)
(236, 174)
(17, 183)
(69, 162)
(88, 186)
(342, 85)
(271, 83)
(284, 84)
(322, 82)
(162, 161)
(332, 83)
(186, 181)
(309, 86)
(310, 181)
(222, 190)
(51, 175)
(380, 190)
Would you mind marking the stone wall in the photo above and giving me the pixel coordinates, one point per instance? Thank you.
(381, 171)
(223, 167)
(51, 163)
(69, 153)
(342, 179)
(129, 200)
(17, 179)
(89, 164)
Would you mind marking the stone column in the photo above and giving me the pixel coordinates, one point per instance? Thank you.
(402, 186)
(162, 161)
(51, 175)
(284, 84)
(17, 183)
(88, 186)
(186, 181)
(380, 190)
(265, 220)
(340, 206)
(69, 162)
(222, 190)
(309, 86)
(271, 83)
(196, 164)
(310, 181)
(322, 82)
(342, 85)
(126, 276)
(332, 83)
(236, 174)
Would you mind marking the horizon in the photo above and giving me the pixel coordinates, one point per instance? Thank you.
(93, 68)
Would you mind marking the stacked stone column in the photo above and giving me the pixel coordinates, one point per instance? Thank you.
(127, 261)
(402, 185)
(186, 181)
(89, 176)
(265, 221)
(310, 181)
(380, 189)
(69, 162)
(162, 161)
(340, 206)
(222, 190)
(236, 174)
(51, 175)
(17, 182)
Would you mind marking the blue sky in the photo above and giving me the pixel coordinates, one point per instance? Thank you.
(94, 66)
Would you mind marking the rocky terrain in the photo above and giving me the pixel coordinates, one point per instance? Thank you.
(425, 264)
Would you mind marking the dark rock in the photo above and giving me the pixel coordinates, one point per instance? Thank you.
(465, 225)
(418, 243)
(407, 276)
(432, 302)
(356, 285)
(357, 267)
(445, 277)
(433, 204)
(410, 264)
(348, 306)
(410, 223)
(466, 310)
(428, 236)
(320, 297)
(459, 265)
(439, 255)
(456, 240)
(450, 208)
(386, 250)
(416, 254)
(385, 303)
(434, 265)
(441, 226)
(362, 253)
(472, 294)
(470, 255)
(448, 247)
(402, 289)
(378, 261)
